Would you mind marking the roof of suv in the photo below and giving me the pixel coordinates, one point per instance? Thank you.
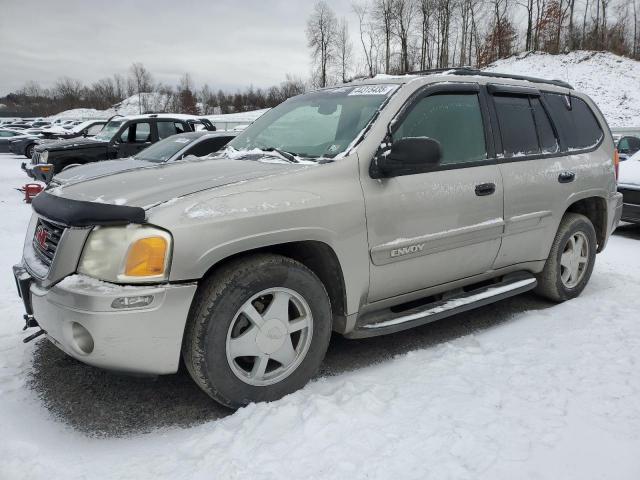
(171, 116)
(462, 73)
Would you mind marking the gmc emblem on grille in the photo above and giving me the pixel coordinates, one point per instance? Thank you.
(41, 237)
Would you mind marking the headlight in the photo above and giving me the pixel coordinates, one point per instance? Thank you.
(44, 156)
(131, 254)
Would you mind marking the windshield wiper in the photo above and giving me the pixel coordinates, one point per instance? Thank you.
(283, 153)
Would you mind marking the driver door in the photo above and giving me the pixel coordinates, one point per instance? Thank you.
(134, 138)
(427, 229)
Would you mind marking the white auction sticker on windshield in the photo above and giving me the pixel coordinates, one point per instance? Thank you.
(373, 90)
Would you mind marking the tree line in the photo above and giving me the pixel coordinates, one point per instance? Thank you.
(153, 97)
(399, 36)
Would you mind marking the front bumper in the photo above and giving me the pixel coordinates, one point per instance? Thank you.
(631, 203)
(78, 317)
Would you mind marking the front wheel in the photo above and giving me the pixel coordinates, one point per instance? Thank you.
(570, 261)
(258, 330)
(28, 152)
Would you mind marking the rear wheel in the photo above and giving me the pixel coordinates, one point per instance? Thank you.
(258, 330)
(570, 261)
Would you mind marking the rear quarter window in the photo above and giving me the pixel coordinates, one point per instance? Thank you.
(575, 121)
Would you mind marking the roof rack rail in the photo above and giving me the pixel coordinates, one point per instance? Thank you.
(483, 73)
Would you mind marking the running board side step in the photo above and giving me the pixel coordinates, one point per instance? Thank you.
(386, 321)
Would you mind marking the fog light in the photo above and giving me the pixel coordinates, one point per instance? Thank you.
(82, 338)
(132, 302)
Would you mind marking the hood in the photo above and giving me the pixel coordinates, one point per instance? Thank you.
(97, 170)
(148, 184)
(72, 143)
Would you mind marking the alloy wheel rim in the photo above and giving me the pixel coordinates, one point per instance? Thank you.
(269, 336)
(574, 260)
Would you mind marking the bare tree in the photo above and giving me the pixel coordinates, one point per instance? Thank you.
(142, 82)
(367, 35)
(425, 9)
(321, 35)
(383, 16)
(344, 49)
(403, 11)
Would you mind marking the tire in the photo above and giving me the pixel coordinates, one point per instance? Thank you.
(222, 316)
(28, 151)
(560, 279)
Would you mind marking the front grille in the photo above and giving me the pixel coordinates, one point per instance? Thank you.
(46, 239)
(630, 196)
(35, 158)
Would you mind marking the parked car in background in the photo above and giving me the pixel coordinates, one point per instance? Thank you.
(629, 187)
(627, 146)
(364, 209)
(40, 123)
(171, 149)
(88, 128)
(6, 135)
(121, 137)
(24, 144)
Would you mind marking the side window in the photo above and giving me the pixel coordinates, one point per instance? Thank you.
(623, 145)
(546, 135)
(126, 134)
(576, 122)
(166, 129)
(629, 145)
(180, 128)
(517, 126)
(454, 120)
(208, 146)
(143, 132)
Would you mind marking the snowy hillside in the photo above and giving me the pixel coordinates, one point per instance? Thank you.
(612, 81)
(132, 105)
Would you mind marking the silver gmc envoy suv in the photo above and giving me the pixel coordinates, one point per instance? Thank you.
(364, 209)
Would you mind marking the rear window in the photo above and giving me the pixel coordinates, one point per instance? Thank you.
(575, 121)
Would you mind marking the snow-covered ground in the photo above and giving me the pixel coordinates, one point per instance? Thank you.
(543, 392)
(612, 81)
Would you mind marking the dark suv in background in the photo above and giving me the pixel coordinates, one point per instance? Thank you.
(121, 137)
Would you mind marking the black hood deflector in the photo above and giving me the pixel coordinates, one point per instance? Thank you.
(78, 213)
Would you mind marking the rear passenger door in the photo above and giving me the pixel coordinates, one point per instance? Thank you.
(167, 128)
(542, 140)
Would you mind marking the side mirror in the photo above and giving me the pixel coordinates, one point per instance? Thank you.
(407, 156)
(84, 133)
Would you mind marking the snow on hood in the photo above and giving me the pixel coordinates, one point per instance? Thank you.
(629, 171)
(149, 185)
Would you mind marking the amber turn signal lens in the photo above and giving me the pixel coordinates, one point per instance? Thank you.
(146, 257)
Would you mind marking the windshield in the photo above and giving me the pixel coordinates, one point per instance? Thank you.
(164, 149)
(109, 130)
(317, 124)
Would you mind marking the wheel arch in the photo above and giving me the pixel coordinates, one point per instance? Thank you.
(593, 207)
(317, 256)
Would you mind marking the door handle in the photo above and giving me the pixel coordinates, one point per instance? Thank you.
(566, 177)
(485, 189)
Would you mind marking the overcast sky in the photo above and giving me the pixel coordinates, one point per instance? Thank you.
(227, 44)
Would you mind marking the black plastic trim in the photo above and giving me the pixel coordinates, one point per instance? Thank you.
(501, 89)
(78, 213)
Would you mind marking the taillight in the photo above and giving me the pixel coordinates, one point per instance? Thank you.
(616, 162)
